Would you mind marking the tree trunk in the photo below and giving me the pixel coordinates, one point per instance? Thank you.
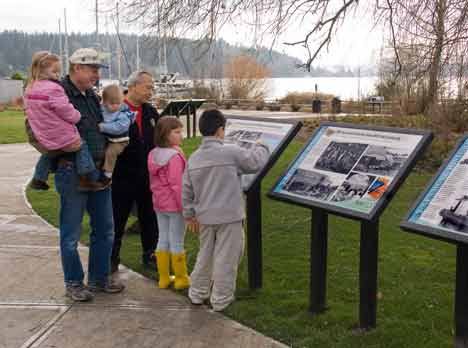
(434, 72)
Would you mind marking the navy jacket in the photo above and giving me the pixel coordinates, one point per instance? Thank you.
(132, 163)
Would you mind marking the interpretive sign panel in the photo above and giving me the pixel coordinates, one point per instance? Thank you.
(246, 132)
(351, 170)
(442, 210)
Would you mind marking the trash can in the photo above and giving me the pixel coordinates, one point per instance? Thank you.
(336, 105)
(316, 106)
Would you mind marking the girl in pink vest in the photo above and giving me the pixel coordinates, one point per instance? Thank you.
(53, 120)
(166, 165)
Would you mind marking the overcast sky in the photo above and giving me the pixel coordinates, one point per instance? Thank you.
(358, 43)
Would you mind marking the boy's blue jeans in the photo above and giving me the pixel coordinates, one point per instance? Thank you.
(73, 204)
(83, 161)
(171, 232)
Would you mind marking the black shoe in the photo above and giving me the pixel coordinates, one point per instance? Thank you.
(114, 267)
(38, 185)
(149, 261)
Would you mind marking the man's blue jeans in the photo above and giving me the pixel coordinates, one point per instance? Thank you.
(73, 204)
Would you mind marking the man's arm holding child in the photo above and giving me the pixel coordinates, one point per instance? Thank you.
(251, 161)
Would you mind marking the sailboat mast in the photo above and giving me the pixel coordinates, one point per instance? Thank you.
(119, 49)
(108, 42)
(67, 63)
(138, 52)
(97, 25)
(60, 43)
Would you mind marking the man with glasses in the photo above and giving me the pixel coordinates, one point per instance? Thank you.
(130, 180)
(83, 75)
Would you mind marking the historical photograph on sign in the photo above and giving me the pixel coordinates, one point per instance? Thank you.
(311, 184)
(456, 217)
(246, 133)
(381, 160)
(340, 157)
(354, 187)
(445, 203)
(378, 188)
(346, 167)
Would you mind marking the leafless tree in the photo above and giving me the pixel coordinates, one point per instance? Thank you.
(431, 32)
(434, 30)
(205, 19)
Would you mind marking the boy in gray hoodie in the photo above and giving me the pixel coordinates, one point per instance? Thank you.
(213, 206)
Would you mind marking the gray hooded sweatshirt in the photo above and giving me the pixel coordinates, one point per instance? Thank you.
(212, 189)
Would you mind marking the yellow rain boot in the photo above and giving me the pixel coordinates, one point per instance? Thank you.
(163, 259)
(179, 264)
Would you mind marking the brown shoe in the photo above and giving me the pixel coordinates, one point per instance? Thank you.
(87, 185)
(38, 185)
(105, 180)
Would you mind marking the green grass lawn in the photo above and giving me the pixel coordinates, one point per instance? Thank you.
(416, 275)
(12, 127)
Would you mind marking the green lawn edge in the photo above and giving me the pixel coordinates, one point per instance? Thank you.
(416, 274)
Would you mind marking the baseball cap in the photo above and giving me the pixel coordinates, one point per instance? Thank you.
(87, 56)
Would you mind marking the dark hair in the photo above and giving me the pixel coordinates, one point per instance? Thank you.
(210, 121)
(163, 128)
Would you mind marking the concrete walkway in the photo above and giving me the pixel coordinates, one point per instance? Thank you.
(35, 313)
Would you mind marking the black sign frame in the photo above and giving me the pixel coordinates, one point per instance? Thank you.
(254, 200)
(274, 156)
(461, 271)
(430, 231)
(382, 203)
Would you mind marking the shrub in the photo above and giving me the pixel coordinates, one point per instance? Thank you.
(18, 76)
(211, 91)
(296, 98)
(295, 107)
(274, 107)
(260, 105)
(246, 78)
(446, 134)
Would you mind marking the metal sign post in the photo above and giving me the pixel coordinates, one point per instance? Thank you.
(318, 261)
(351, 171)
(242, 131)
(447, 220)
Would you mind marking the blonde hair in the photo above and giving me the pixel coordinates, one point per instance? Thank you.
(40, 61)
(112, 94)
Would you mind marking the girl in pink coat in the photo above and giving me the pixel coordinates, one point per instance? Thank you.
(166, 165)
(52, 119)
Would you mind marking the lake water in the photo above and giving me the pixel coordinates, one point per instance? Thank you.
(344, 87)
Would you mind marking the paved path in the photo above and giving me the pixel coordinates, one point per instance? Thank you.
(35, 313)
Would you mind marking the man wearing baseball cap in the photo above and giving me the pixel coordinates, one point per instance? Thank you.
(83, 75)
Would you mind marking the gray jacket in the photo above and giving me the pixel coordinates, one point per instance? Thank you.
(212, 186)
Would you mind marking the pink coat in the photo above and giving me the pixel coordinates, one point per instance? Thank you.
(166, 167)
(51, 115)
